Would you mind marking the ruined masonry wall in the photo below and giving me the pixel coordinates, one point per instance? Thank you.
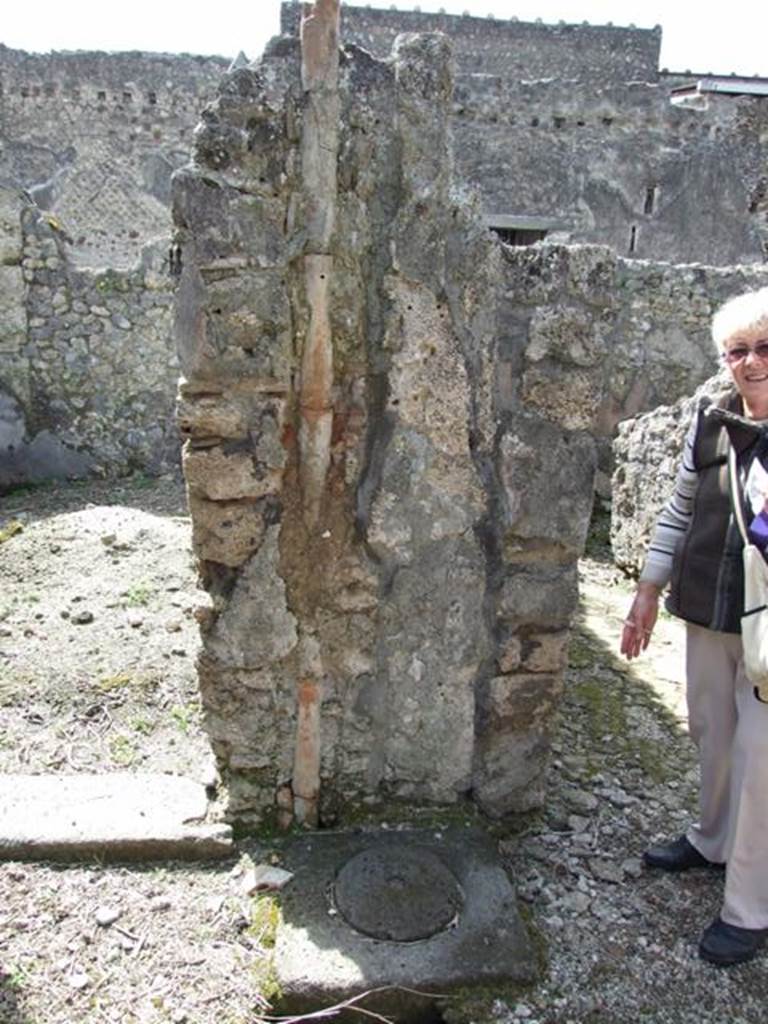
(573, 125)
(87, 361)
(428, 604)
(522, 50)
(619, 165)
(95, 137)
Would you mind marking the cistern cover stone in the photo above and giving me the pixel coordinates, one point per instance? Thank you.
(398, 894)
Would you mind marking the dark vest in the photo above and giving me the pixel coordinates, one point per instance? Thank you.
(707, 584)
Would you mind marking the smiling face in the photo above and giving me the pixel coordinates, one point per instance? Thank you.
(746, 355)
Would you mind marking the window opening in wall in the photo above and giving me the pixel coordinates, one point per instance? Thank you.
(607, 121)
(632, 238)
(127, 97)
(152, 98)
(101, 96)
(650, 199)
(519, 236)
(534, 122)
(558, 122)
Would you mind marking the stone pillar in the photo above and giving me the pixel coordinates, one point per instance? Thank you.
(553, 325)
(363, 604)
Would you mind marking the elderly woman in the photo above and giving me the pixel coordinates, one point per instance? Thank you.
(696, 549)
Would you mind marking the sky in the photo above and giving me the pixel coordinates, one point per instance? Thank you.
(721, 38)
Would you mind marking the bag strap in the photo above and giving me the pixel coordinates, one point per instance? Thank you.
(736, 494)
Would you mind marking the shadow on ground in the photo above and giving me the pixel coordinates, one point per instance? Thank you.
(164, 496)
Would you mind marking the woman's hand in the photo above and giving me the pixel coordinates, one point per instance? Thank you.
(640, 621)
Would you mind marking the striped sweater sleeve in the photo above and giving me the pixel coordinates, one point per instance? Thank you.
(674, 519)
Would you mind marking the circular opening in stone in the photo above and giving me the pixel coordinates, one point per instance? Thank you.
(398, 893)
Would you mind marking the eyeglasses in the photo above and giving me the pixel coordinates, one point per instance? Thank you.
(739, 353)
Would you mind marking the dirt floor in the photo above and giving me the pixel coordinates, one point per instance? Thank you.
(97, 635)
(97, 648)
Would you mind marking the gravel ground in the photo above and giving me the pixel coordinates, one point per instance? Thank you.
(97, 646)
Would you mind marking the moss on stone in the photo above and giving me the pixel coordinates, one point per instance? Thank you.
(266, 916)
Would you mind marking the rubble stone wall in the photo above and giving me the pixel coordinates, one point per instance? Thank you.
(95, 137)
(88, 366)
(424, 607)
(620, 165)
(573, 126)
(519, 49)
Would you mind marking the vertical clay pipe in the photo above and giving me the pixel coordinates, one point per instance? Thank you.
(320, 131)
(315, 396)
(306, 767)
(319, 146)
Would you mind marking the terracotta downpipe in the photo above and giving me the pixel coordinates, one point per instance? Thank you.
(319, 147)
(306, 766)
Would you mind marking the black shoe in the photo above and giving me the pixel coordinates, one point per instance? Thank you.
(679, 855)
(726, 944)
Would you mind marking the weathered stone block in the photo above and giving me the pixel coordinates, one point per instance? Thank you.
(572, 400)
(13, 317)
(547, 478)
(432, 642)
(520, 700)
(215, 416)
(546, 652)
(219, 475)
(248, 323)
(225, 531)
(513, 742)
(510, 654)
(11, 243)
(424, 81)
(568, 335)
(541, 595)
(257, 627)
(511, 777)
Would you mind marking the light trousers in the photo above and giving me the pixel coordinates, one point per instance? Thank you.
(730, 728)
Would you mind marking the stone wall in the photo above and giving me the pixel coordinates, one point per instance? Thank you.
(87, 362)
(95, 137)
(619, 165)
(642, 342)
(88, 143)
(570, 128)
(517, 49)
(388, 527)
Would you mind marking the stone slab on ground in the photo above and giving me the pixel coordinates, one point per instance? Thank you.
(443, 895)
(113, 817)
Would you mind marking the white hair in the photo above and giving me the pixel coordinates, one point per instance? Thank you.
(742, 313)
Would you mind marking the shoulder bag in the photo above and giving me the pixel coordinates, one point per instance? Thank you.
(754, 621)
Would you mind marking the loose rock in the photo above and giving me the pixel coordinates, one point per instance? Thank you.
(105, 916)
